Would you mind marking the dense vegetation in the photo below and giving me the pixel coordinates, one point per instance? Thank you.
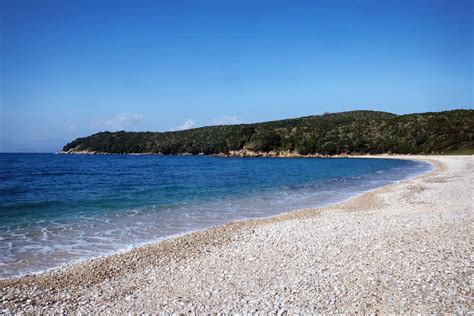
(347, 132)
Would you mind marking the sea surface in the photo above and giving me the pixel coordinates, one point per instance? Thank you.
(57, 209)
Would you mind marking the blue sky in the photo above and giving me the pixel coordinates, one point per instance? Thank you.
(72, 68)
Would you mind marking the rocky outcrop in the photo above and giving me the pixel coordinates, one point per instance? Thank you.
(232, 153)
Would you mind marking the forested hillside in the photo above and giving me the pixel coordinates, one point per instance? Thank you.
(355, 132)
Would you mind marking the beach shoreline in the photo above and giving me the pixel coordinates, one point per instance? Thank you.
(53, 249)
(122, 282)
(181, 234)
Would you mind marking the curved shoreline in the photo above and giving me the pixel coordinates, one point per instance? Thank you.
(152, 242)
(293, 214)
(69, 286)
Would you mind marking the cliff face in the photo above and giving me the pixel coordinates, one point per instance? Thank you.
(356, 132)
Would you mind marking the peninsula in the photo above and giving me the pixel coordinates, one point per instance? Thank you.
(344, 133)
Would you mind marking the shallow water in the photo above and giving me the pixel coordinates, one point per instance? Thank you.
(56, 209)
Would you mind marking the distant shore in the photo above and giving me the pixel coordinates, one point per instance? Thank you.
(402, 248)
(329, 134)
(232, 153)
(241, 153)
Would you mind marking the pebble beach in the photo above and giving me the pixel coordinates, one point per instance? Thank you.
(403, 248)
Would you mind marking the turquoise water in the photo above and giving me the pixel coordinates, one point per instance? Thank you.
(55, 209)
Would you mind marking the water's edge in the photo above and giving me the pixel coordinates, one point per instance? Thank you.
(409, 177)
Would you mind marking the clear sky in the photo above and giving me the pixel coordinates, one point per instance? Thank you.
(72, 68)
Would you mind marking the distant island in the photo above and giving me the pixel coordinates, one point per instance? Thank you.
(345, 133)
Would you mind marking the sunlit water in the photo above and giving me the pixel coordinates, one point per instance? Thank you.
(55, 209)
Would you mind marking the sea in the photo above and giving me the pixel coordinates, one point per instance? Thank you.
(59, 209)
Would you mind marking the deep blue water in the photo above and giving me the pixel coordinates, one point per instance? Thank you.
(55, 209)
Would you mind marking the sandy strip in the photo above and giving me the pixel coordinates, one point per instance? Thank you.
(406, 247)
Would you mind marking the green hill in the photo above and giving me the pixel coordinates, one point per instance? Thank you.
(355, 132)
